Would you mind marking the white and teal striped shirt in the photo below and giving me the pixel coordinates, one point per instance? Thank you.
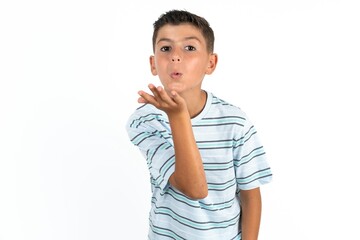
(233, 159)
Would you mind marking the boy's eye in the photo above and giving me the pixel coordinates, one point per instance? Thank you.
(165, 49)
(190, 48)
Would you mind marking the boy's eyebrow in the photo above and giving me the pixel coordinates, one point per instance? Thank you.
(186, 38)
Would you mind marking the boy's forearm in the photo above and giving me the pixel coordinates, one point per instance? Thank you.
(189, 176)
(250, 214)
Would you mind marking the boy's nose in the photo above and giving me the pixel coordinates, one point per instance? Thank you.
(176, 55)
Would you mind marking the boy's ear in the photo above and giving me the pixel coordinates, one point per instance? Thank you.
(152, 66)
(212, 64)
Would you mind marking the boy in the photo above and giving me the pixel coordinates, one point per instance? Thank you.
(205, 160)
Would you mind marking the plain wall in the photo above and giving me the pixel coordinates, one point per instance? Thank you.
(69, 76)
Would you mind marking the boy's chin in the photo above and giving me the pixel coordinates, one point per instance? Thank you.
(177, 89)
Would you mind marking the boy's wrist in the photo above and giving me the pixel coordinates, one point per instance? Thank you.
(178, 115)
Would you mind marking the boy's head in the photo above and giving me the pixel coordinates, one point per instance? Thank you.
(177, 17)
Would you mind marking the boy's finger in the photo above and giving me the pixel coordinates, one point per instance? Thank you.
(147, 98)
(163, 95)
(154, 90)
(176, 98)
(142, 100)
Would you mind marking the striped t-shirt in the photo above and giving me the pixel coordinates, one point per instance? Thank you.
(233, 159)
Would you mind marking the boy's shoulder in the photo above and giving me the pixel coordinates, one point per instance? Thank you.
(146, 113)
(144, 110)
(226, 107)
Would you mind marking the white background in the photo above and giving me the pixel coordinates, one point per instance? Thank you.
(69, 76)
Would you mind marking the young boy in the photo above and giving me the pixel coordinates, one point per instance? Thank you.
(205, 160)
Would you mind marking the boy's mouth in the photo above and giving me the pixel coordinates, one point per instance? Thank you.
(175, 75)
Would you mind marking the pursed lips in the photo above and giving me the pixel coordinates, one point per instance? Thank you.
(175, 75)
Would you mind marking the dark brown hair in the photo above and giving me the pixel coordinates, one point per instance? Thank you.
(177, 17)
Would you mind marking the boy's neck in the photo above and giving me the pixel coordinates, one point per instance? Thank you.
(196, 103)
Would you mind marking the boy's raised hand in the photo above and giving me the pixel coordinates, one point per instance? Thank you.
(160, 99)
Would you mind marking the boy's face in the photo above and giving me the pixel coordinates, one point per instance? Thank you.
(181, 59)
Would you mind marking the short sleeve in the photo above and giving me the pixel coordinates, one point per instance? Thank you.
(155, 143)
(251, 166)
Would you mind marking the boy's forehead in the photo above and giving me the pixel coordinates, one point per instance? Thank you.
(181, 31)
